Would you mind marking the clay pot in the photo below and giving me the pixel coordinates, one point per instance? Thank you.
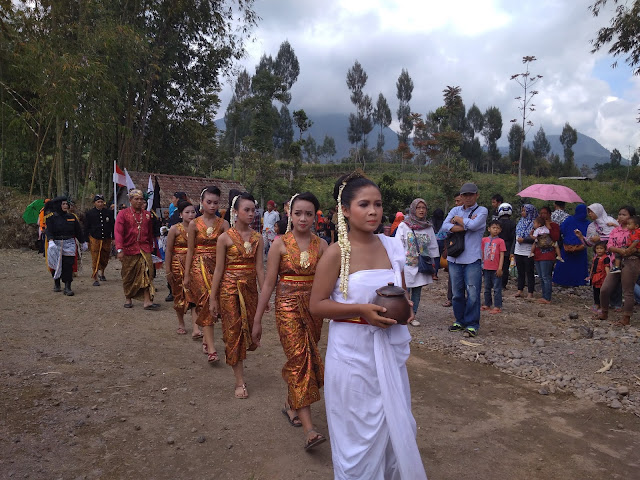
(395, 301)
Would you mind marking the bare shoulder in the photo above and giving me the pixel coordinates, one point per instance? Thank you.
(331, 252)
(224, 239)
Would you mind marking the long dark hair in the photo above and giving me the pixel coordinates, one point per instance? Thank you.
(437, 219)
(243, 196)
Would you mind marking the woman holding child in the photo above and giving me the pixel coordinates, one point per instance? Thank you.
(618, 243)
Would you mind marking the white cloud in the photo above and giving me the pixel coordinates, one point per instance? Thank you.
(476, 45)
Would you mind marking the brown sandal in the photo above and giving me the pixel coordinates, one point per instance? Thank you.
(315, 440)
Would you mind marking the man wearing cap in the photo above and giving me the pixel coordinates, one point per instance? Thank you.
(465, 270)
(268, 223)
(98, 226)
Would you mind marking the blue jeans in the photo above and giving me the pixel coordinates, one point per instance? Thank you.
(544, 268)
(466, 284)
(415, 297)
(492, 281)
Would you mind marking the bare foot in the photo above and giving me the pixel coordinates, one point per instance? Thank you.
(545, 301)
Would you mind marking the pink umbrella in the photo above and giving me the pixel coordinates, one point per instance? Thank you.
(545, 191)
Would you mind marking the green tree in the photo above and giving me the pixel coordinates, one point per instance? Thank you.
(284, 134)
(360, 123)
(623, 32)
(310, 148)
(302, 122)
(568, 139)
(404, 92)
(515, 139)
(381, 118)
(541, 146)
(635, 159)
(615, 159)
(328, 148)
(492, 132)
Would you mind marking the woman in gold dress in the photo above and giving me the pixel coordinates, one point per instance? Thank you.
(175, 259)
(239, 264)
(293, 257)
(202, 238)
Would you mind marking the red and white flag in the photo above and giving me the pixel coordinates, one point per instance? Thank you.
(119, 176)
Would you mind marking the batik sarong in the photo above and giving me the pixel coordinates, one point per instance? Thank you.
(137, 274)
(100, 251)
(178, 259)
(299, 330)
(202, 266)
(239, 296)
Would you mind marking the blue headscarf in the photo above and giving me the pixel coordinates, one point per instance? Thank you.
(577, 221)
(525, 224)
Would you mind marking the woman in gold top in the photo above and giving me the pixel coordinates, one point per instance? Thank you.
(239, 264)
(294, 256)
(174, 264)
(202, 238)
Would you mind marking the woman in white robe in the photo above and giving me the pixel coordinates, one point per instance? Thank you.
(367, 394)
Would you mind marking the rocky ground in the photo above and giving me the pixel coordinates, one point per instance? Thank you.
(561, 347)
(91, 390)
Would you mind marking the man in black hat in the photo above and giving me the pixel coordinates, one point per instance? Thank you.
(98, 226)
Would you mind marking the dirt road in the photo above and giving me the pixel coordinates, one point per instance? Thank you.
(92, 390)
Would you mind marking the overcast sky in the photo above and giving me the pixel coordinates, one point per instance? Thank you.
(474, 44)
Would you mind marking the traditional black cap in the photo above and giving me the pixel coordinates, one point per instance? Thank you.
(98, 197)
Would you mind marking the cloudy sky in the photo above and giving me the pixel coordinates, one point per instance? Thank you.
(474, 44)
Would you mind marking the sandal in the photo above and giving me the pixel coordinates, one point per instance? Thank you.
(293, 421)
(315, 440)
(518, 295)
(243, 392)
(447, 303)
(197, 336)
(204, 348)
(128, 305)
(625, 322)
(212, 357)
(181, 331)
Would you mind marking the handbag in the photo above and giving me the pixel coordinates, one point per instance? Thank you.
(425, 262)
(455, 241)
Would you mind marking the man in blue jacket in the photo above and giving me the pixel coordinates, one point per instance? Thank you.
(465, 269)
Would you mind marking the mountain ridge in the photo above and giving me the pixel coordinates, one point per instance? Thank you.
(587, 150)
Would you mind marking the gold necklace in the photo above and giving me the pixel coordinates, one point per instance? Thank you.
(138, 222)
(304, 259)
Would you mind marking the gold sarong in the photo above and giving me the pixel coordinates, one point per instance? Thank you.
(178, 259)
(202, 267)
(137, 275)
(239, 297)
(100, 252)
(299, 331)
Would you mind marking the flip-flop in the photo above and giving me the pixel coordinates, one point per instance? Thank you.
(212, 357)
(319, 438)
(153, 306)
(128, 305)
(181, 331)
(292, 421)
(96, 283)
(197, 337)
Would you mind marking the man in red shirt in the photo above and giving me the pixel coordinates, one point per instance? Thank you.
(134, 244)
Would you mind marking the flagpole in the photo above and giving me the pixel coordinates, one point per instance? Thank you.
(115, 191)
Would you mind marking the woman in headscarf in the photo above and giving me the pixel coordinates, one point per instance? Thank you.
(575, 269)
(398, 220)
(601, 225)
(437, 218)
(522, 249)
(418, 237)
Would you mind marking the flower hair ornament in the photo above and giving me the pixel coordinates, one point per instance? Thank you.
(345, 245)
(290, 205)
(234, 213)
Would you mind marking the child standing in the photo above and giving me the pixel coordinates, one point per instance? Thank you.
(634, 238)
(542, 239)
(599, 270)
(493, 249)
